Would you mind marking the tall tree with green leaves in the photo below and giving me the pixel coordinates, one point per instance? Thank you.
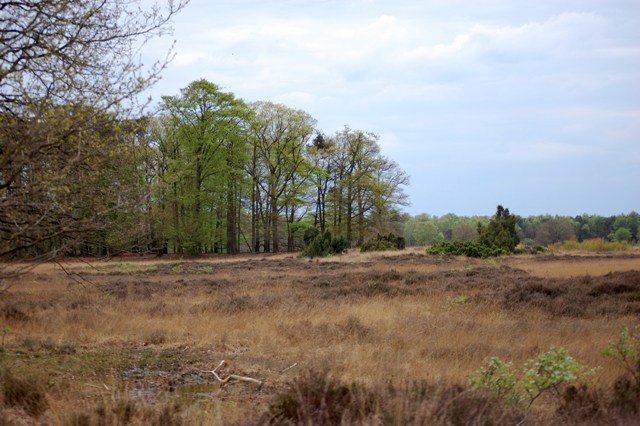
(205, 142)
(280, 166)
(367, 188)
(320, 154)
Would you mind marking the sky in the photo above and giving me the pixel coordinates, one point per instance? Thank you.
(534, 105)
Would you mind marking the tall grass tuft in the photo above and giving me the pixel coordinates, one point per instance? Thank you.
(24, 392)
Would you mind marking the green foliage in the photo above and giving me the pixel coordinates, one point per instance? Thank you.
(464, 232)
(549, 372)
(421, 231)
(460, 300)
(590, 245)
(496, 376)
(320, 244)
(339, 244)
(424, 229)
(384, 242)
(529, 249)
(309, 235)
(622, 235)
(501, 230)
(626, 351)
(202, 148)
(466, 248)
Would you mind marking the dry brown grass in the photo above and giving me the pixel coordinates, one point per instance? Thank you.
(144, 329)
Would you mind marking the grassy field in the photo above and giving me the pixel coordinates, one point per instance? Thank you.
(130, 339)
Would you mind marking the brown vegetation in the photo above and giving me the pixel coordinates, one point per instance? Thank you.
(387, 337)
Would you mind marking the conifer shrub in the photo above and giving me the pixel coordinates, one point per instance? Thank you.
(339, 244)
(501, 231)
(321, 244)
(466, 248)
(384, 242)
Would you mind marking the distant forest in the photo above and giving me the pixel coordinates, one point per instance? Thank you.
(541, 230)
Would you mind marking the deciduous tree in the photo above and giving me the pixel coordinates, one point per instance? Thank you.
(69, 78)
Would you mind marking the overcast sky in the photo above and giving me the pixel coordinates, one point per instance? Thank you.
(531, 104)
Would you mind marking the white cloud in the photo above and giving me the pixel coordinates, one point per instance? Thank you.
(301, 100)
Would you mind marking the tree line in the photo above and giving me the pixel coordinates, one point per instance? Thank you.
(83, 170)
(542, 230)
(234, 176)
(209, 173)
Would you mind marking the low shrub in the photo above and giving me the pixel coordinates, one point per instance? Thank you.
(529, 249)
(321, 244)
(384, 243)
(549, 372)
(466, 248)
(316, 398)
(626, 352)
(591, 245)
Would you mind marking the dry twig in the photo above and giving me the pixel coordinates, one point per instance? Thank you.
(231, 376)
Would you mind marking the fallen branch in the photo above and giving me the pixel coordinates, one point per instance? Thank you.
(290, 367)
(231, 376)
(98, 387)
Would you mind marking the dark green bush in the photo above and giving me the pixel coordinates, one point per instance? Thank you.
(309, 235)
(501, 230)
(524, 249)
(322, 244)
(384, 242)
(466, 248)
(339, 244)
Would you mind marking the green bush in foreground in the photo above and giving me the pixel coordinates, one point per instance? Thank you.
(549, 372)
(626, 352)
(466, 248)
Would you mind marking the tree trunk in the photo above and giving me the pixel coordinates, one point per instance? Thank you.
(274, 225)
(232, 241)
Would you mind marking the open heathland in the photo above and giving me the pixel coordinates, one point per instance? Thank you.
(375, 338)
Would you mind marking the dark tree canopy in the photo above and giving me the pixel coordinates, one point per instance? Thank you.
(501, 230)
(553, 231)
